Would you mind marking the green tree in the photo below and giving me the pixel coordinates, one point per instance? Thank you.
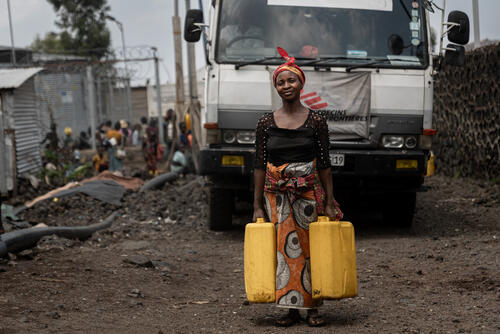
(50, 43)
(83, 29)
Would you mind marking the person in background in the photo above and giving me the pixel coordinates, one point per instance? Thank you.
(150, 147)
(68, 137)
(68, 144)
(113, 141)
(144, 127)
(136, 135)
(243, 33)
(100, 161)
(126, 133)
(185, 137)
(100, 135)
(51, 137)
(168, 130)
(83, 141)
(168, 126)
(179, 161)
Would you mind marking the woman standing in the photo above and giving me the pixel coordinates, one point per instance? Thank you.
(150, 147)
(293, 178)
(114, 139)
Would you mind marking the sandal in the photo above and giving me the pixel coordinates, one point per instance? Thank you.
(314, 319)
(292, 318)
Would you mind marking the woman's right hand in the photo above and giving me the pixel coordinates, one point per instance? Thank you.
(257, 213)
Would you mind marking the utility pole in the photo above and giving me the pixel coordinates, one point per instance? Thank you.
(12, 50)
(127, 76)
(3, 161)
(91, 103)
(179, 79)
(158, 99)
(193, 89)
(194, 104)
(111, 97)
(475, 14)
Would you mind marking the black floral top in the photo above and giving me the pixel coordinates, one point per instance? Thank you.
(306, 143)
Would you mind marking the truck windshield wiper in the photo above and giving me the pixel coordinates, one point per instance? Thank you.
(376, 62)
(256, 61)
(322, 60)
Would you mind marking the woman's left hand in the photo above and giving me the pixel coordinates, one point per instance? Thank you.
(332, 210)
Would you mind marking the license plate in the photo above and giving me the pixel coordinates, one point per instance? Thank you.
(233, 160)
(406, 164)
(338, 159)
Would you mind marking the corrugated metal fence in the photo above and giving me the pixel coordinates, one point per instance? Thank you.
(64, 94)
(27, 129)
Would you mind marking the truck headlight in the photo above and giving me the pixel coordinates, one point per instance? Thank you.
(245, 137)
(411, 142)
(393, 141)
(229, 137)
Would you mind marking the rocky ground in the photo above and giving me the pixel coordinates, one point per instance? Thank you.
(159, 270)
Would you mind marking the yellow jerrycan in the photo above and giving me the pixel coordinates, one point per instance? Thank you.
(260, 262)
(333, 259)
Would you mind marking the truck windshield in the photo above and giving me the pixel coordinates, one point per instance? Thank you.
(248, 32)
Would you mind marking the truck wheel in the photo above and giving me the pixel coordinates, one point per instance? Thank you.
(400, 209)
(220, 209)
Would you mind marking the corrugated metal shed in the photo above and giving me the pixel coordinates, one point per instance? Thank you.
(15, 77)
(27, 129)
(20, 125)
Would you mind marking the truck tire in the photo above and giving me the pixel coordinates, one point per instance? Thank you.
(399, 209)
(220, 209)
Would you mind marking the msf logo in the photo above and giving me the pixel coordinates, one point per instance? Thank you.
(313, 100)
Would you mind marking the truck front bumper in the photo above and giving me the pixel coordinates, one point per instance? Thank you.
(380, 163)
(227, 161)
(361, 163)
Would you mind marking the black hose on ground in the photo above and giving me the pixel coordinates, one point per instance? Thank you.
(19, 240)
(159, 181)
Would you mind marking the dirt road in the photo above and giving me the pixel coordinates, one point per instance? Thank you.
(158, 271)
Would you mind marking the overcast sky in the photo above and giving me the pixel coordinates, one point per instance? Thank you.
(149, 22)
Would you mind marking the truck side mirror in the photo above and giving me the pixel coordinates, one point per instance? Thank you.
(459, 34)
(456, 57)
(192, 32)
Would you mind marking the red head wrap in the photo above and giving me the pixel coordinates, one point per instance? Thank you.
(288, 66)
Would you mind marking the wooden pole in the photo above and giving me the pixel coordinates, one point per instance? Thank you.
(194, 104)
(475, 14)
(179, 76)
(91, 105)
(158, 100)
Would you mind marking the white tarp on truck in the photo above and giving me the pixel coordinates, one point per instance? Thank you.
(385, 5)
(345, 100)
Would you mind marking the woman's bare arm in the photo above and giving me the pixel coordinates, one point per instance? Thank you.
(259, 176)
(325, 176)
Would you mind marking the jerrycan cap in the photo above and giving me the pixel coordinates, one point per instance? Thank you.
(323, 219)
(260, 220)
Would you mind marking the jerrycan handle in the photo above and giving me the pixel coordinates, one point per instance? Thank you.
(326, 219)
(260, 220)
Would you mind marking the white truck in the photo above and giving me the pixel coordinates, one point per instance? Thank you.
(369, 70)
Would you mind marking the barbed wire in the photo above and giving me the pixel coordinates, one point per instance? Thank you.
(135, 64)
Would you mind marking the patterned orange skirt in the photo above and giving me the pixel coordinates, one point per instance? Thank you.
(291, 202)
